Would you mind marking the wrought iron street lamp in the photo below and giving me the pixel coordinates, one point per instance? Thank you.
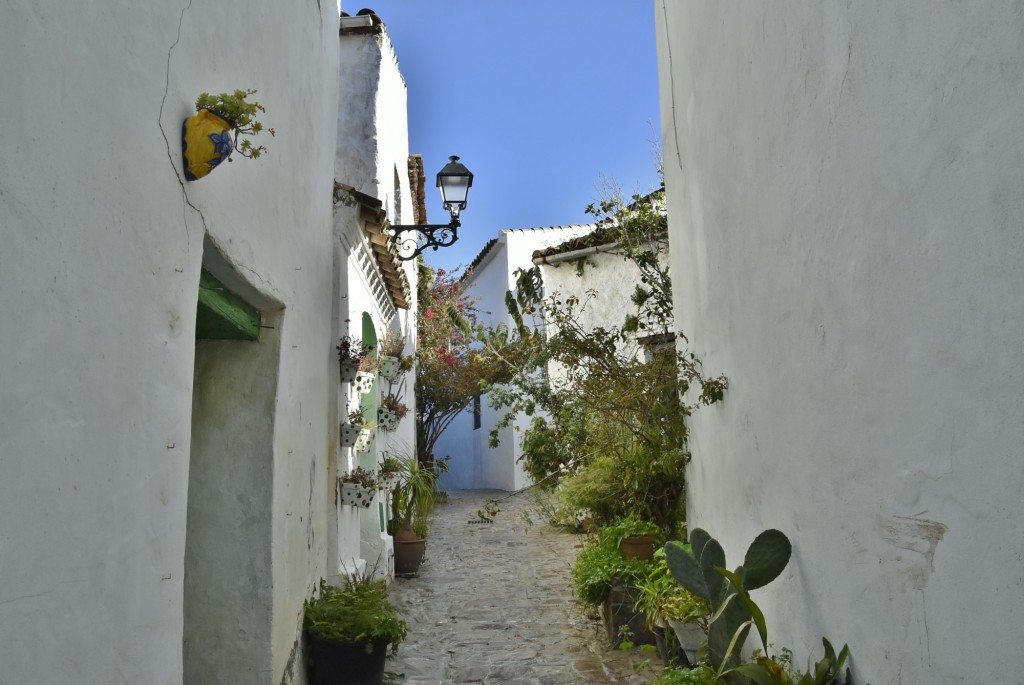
(454, 180)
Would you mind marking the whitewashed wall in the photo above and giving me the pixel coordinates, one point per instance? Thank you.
(604, 288)
(845, 193)
(102, 248)
(373, 127)
(372, 154)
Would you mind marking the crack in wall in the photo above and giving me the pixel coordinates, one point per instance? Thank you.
(672, 84)
(167, 143)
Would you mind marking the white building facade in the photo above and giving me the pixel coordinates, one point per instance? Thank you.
(168, 494)
(845, 187)
(473, 463)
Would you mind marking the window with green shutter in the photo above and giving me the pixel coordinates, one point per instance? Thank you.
(222, 315)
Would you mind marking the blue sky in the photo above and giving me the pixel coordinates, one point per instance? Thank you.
(540, 100)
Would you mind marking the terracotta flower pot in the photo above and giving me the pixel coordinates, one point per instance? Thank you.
(639, 547)
(409, 550)
(205, 142)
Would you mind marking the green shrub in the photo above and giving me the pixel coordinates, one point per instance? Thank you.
(661, 595)
(600, 564)
(358, 611)
(702, 675)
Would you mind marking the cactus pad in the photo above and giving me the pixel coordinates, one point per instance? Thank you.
(766, 558)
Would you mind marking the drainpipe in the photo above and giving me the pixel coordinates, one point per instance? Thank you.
(556, 259)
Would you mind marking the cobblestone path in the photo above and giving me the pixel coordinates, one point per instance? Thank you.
(493, 604)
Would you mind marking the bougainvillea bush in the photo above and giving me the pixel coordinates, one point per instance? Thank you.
(457, 359)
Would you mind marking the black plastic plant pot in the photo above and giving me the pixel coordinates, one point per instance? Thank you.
(345, 663)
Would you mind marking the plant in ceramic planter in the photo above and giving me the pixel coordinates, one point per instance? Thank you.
(392, 362)
(209, 136)
(390, 470)
(667, 603)
(365, 429)
(356, 427)
(358, 487)
(350, 630)
(363, 383)
(412, 499)
(391, 411)
(351, 353)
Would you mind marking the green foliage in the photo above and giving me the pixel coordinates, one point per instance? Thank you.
(644, 480)
(660, 595)
(829, 671)
(702, 675)
(351, 350)
(600, 563)
(362, 477)
(358, 611)
(413, 497)
(701, 570)
(631, 526)
(609, 429)
(395, 405)
(390, 465)
(240, 115)
(766, 670)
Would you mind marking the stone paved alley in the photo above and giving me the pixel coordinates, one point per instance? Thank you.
(493, 604)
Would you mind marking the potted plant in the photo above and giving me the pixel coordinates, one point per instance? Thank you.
(637, 537)
(363, 382)
(350, 630)
(687, 615)
(667, 604)
(355, 430)
(412, 500)
(390, 472)
(392, 362)
(358, 487)
(603, 578)
(391, 411)
(206, 136)
(350, 353)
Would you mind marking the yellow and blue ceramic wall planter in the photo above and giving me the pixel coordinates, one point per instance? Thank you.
(206, 141)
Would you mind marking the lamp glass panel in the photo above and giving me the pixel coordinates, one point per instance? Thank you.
(454, 189)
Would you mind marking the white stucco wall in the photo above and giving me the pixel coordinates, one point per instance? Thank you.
(103, 244)
(372, 155)
(604, 287)
(373, 129)
(845, 199)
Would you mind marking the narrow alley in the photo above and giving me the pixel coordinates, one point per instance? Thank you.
(493, 604)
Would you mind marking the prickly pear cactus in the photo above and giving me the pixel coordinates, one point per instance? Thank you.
(766, 558)
(697, 568)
